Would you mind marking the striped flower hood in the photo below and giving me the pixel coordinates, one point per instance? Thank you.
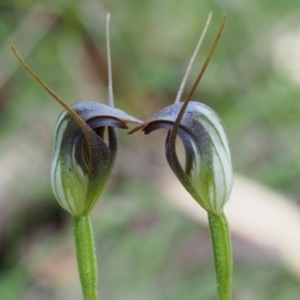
(82, 161)
(207, 174)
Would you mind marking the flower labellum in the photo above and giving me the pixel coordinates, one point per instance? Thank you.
(207, 175)
(82, 161)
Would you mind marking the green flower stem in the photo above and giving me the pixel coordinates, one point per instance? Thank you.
(221, 244)
(86, 257)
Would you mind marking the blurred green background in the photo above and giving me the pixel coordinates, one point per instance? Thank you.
(146, 249)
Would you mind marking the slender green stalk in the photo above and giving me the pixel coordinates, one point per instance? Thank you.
(221, 244)
(86, 257)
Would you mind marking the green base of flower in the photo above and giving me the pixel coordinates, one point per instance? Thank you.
(222, 251)
(86, 257)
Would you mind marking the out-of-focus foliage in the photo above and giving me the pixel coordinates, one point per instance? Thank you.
(146, 250)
